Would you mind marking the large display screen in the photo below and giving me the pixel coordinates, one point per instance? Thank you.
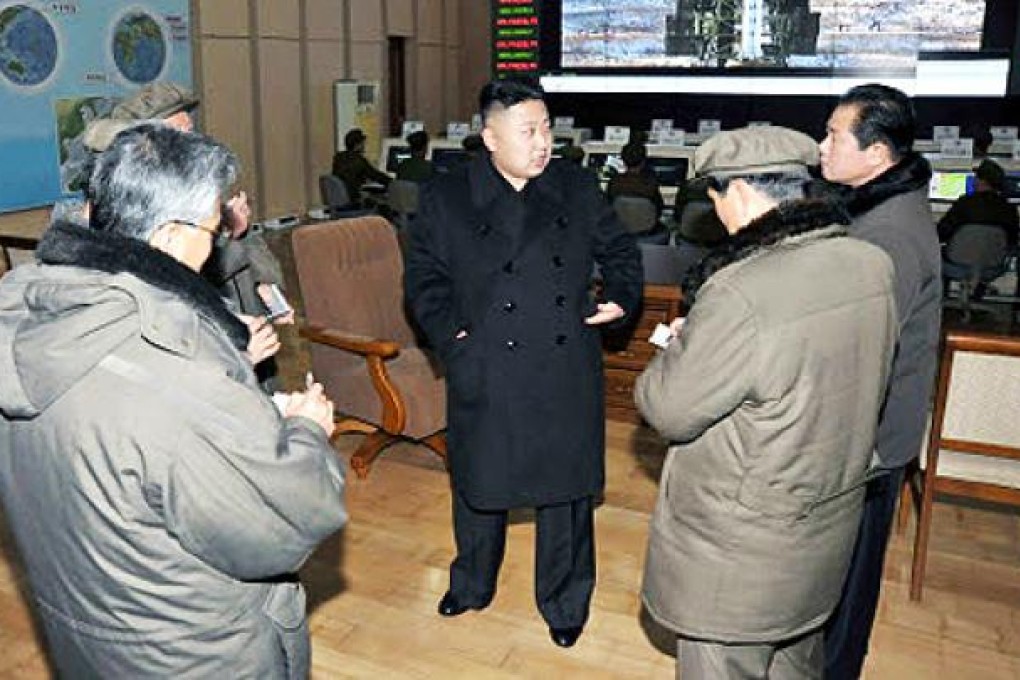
(812, 34)
(820, 47)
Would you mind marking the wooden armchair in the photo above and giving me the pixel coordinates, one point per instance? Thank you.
(362, 346)
(974, 442)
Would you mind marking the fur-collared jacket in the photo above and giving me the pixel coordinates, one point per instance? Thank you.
(770, 396)
(156, 495)
(892, 212)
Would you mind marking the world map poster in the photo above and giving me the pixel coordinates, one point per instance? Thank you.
(62, 64)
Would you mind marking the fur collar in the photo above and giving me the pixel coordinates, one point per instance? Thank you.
(910, 174)
(68, 243)
(786, 221)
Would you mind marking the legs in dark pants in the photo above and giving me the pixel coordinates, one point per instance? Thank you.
(565, 562)
(564, 558)
(849, 628)
(481, 538)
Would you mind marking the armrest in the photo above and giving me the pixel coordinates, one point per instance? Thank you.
(359, 344)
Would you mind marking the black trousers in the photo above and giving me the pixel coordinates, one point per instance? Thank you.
(564, 558)
(849, 628)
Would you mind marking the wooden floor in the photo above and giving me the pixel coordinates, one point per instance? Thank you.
(373, 590)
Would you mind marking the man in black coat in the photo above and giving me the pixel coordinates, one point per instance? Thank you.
(868, 152)
(498, 275)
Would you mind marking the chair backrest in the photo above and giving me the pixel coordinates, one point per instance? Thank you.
(979, 248)
(973, 444)
(350, 272)
(333, 192)
(663, 264)
(637, 213)
(699, 224)
(402, 196)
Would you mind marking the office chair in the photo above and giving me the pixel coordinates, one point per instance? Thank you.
(973, 444)
(640, 217)
(975, 254)
(334, 194)
(402, 198)
(663, 264)
(363, 349)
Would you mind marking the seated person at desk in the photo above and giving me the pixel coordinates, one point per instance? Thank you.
(474, 146)
(351, 166)
(985, 206)
(416, 168)
(637, 180)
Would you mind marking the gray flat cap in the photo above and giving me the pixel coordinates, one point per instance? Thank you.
(100, 133)
(754, 151)
(155, 100)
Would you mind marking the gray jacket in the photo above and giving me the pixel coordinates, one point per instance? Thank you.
(770, 397)
(892, 212)
(158, 499)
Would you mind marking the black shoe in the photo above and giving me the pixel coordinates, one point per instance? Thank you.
(565, 637)
(451, 606)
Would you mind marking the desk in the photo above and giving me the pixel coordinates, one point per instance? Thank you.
(625, 355)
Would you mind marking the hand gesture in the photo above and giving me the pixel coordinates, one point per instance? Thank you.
(607, 312)
(237, 215)
(263, 342)
(312, 404)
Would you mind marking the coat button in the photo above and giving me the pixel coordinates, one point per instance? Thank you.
(511, 345)
(509, 267)
(484, 230)
(509, 306)
(561, 221)
(561, 300)
(557, 261)
(561, 339)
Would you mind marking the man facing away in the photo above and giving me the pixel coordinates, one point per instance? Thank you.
(160, 502)
(498, 275)
(416, 168)
(868, 152)
(986, 205)
(770, 397)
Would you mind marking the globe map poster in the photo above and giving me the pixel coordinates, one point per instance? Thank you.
(63, 64)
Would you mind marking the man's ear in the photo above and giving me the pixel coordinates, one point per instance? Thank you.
(879, 155)
(489, 137)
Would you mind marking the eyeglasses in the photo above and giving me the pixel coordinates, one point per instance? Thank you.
(215, 231)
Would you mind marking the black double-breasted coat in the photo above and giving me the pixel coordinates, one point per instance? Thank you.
(513, 270)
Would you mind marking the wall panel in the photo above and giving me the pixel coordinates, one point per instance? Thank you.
(325, 19)
(366, 20)
(430, 21)
(278, 18)
(223, 17)
(400, 18)
(226, 108)
(282, 139)
(324, 67)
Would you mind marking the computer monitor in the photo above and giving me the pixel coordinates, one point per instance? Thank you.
(559, 144)
(446, 159)
(395, 155)
(1011, 187)
(605, 165)
(671, 172)
(950, 185)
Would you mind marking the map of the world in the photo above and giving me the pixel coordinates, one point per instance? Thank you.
(63, 63)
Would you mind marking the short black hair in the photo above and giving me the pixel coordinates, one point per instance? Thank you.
(634, 154)
(982, 141)
(507, 93)
(885, 115)
(354, 138)
(418, 141)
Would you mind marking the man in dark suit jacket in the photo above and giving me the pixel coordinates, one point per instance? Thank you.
(498, 276)
(416, 168)
(351, 166)
(985, 206)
